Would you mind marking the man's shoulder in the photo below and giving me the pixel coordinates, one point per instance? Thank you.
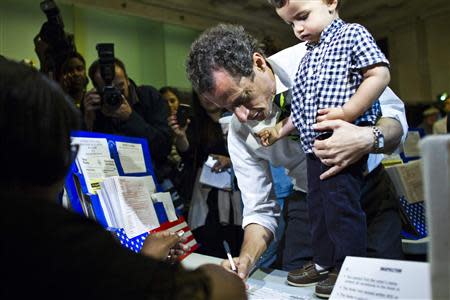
(147, 89)
(148, 94)
(286, 56)
(285, 63)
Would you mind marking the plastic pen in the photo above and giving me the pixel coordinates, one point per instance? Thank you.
(230, 259)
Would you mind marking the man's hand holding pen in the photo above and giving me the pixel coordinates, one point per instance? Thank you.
(239, 265)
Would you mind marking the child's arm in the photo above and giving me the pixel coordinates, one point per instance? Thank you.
(270, 135)
(376, 79)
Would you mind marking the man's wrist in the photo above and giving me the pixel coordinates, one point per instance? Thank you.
(366, 140)
(378, 139)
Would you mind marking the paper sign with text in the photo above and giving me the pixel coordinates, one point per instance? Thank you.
(371, 278)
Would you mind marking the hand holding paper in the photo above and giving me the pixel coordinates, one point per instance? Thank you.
(163, 244)
(220, 162)
(221, 180)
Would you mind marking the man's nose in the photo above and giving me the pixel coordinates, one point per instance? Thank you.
(241, 113)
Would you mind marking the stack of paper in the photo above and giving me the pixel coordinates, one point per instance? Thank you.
(127, 203)
(407, 180)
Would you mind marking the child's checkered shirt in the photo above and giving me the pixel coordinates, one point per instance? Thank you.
(330, 73)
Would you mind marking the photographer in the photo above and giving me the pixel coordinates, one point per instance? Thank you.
(53, 45)
(141, 113)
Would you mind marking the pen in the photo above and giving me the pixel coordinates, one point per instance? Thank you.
(230, 259)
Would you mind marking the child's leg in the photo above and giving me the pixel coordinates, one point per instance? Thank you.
(322, 244)
(344, 218)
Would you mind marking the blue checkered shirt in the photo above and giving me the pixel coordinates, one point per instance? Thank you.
(330, 73)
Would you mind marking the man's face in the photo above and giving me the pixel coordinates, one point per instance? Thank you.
(248, 98)
(308, 18)
(120, 81)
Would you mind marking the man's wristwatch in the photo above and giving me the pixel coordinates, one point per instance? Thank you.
(378, 140)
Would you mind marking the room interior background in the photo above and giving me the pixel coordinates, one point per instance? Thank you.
(153, 36)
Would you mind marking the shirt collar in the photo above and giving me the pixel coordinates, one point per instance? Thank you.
(327, 33)
(280, 85)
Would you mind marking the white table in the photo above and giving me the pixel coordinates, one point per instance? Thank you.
(267, 279)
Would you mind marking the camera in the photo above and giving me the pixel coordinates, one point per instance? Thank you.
(61, 44)
(110, 94)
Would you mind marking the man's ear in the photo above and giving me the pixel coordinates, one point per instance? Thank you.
(332, 5)
(259, 61)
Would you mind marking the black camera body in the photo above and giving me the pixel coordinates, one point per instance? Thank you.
(110, 94)
(61, 44)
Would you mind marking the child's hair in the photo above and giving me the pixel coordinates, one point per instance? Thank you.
(281, 3)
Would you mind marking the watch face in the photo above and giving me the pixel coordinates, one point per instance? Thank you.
(381, 142)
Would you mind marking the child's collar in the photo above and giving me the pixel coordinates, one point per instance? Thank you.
(327, 33)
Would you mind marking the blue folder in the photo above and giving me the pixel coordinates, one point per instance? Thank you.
(87, 204)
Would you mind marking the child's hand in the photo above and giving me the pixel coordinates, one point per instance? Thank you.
(268, 136)
(332, 113)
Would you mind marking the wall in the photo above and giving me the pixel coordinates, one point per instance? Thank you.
(154, 53)
(419, 55)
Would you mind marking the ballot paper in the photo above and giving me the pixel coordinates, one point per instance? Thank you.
(221, 180)
(371, 278)
(255, 292)
(127, 204)
(131, 156)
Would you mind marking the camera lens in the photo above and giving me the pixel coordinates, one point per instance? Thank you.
(112, 97)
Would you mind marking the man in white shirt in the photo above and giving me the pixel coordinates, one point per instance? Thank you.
(227, 68)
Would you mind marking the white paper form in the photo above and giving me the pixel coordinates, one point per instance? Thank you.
(271, 284)
(136, 206)
(263, 293)
(131, 157)
(166, 200)
(94, 161)
(370, 278)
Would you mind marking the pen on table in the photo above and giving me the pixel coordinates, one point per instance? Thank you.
(230, 259)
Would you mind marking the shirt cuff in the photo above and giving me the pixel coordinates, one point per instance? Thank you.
(268, 222)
